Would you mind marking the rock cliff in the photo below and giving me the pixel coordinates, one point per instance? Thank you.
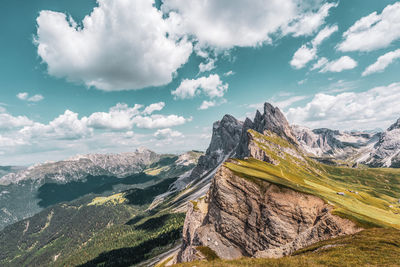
(239, 217)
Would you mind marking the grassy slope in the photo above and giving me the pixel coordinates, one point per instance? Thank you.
(378, 190)
(372, 247)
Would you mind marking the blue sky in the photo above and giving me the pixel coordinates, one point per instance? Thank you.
(73, 71)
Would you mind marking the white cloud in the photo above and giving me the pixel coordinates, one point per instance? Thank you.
(309, 22)
(167, 133)
(22, 96)
(211, 86)
(209, 65)
(308, 52)
(302, 56)
(339, 65)
(120, 45)
(212, 103)
(229, 23)
(375, 108)
(207, 104)
(154, 107)
(118, 117)
(382, 62)
(66, 126)
(34, 98)
(229, 73)
(159, 121)
(374, 31)
(8, 121)
(324, 34)
(320, 63)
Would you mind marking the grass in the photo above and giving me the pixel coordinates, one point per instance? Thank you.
(113, 200)
(370, 195)
(208, 253)
(371, 247)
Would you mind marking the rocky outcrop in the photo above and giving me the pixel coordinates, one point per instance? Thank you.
(224, 141)
(241, 218)
(271, 120)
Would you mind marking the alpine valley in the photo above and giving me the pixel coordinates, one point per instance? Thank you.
(265, 193)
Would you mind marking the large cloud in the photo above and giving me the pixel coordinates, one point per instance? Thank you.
(229, 23)
(373, 31)
(120, 45)
(377, 107)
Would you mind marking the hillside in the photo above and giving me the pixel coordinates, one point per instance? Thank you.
(110, 224)
(271, 199)
(372, 247)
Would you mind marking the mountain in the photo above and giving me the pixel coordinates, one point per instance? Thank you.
(263, 189)
(80, 166)
(110, 221)
(273, 199)
(386, 151)
(226, 135)
(28, 191)
(374, 149)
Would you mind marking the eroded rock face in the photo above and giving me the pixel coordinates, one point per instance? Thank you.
(225, 138)
(241, 218)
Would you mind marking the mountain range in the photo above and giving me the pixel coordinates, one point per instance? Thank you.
(263, 188)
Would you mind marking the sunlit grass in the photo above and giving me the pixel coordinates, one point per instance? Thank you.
(370, 195)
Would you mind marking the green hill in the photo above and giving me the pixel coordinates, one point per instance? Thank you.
(367, 196)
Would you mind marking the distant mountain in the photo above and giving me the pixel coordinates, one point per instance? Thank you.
(386, 151)
(78, 167)
(26, 192)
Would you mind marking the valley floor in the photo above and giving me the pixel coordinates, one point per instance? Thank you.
(371, 247)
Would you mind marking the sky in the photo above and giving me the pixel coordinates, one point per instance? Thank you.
(109, 76)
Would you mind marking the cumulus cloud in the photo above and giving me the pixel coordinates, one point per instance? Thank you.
(22, 96)
(339, 65)
(324, 34)
(118, 117)
(154, 107)
(211, 86)
(66, 126)
(159, 121)
(34, 98)
(307, 23)
(209, 65)
(302, 56)
(8, 121)
(167, 133)
(382, 62)
(374, 31)
(225, 24)
(320, 63)
(120, 45)
(375, 108)
(308, 52)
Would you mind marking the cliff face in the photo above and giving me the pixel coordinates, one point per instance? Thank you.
(240, 218)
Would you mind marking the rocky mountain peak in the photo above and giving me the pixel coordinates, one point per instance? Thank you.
(225, 138)
(394, 126)
(271, 120)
